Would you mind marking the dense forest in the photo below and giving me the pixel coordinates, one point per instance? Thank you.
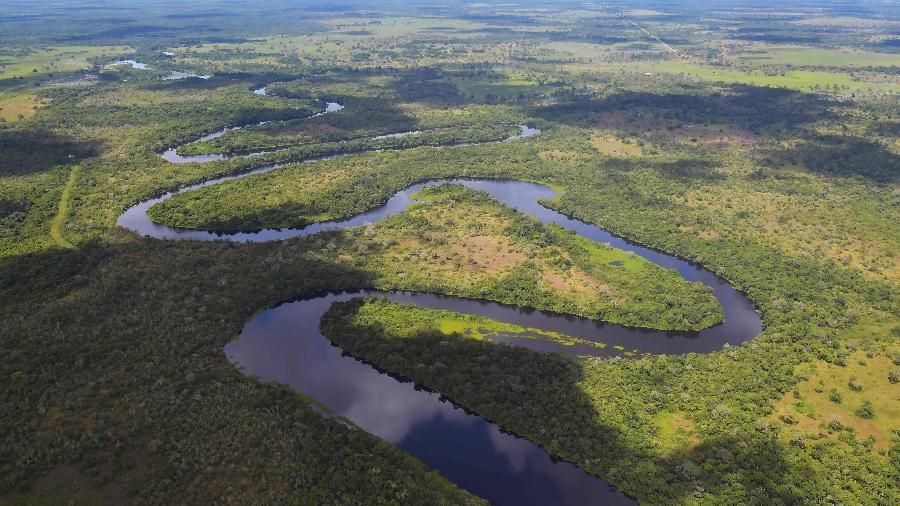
(759, 143)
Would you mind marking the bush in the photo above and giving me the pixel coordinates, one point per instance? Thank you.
(835, 396)
(866, 411)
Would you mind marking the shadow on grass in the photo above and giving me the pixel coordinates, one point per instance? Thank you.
(838, 155)
(24, 152)
(684, 169)
(427, 86)
(738, 106)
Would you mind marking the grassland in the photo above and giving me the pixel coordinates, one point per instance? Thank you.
(676, 432)
(407, 321)
(54, 60)
(813, 56)
(608, 143)
(849, 21)
(803, 80)
(65, 202)
(828, 402)
(360, 41)
(397, 26)
(790, 68)
(16, 107)
(855, 232)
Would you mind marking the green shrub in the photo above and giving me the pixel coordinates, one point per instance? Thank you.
(835, 396)
(866, 411)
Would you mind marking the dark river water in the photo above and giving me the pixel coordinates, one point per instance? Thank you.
(285, 344)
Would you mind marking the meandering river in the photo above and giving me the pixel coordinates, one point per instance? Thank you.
(285, 344)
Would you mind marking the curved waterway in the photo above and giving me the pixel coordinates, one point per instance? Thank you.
(285, 344)
(171, 154)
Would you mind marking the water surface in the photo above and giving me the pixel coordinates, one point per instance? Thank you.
(175, 75)
(131, 63)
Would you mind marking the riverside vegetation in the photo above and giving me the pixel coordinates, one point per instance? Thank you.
(767, 152)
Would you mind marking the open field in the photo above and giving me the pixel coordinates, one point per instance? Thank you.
(811, 56)
(407, 321)
(53, 60)
(828, 402)
(19, 107)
